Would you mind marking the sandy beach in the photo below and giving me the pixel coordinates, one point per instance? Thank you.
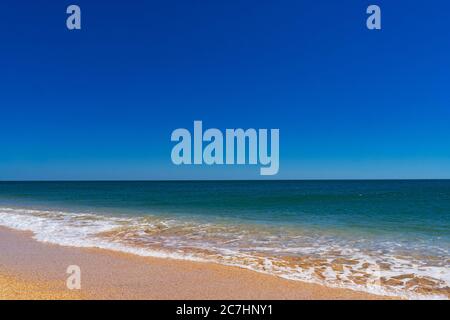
(34, 270)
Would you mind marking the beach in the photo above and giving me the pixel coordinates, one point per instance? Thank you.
(34, 270)
(234, 239)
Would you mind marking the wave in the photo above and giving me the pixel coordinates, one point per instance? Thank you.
(358, 263)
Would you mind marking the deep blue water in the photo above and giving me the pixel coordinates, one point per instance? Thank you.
(406, 206)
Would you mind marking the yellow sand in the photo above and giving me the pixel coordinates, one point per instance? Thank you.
(34, 270)
(13, 288)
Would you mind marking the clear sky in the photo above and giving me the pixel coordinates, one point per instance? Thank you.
(101, 102)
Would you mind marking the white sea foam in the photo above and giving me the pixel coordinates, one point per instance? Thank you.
(266, 251)
(75, 229)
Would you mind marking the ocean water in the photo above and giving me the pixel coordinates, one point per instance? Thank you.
(385, 237)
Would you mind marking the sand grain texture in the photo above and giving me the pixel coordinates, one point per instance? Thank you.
(36, 270)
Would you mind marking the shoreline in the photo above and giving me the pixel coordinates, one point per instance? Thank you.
(35, 270)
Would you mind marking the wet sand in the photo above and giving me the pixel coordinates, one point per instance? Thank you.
(34, 270)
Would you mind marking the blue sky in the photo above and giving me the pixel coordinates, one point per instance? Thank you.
(101, 102)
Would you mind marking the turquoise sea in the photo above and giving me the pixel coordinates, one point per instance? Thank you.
(388, 237)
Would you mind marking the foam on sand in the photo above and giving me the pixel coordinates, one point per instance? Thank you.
(291, 254)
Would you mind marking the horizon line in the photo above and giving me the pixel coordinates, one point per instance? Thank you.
(224, 180)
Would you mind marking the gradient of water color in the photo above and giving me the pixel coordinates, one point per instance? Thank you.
(385, 237)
